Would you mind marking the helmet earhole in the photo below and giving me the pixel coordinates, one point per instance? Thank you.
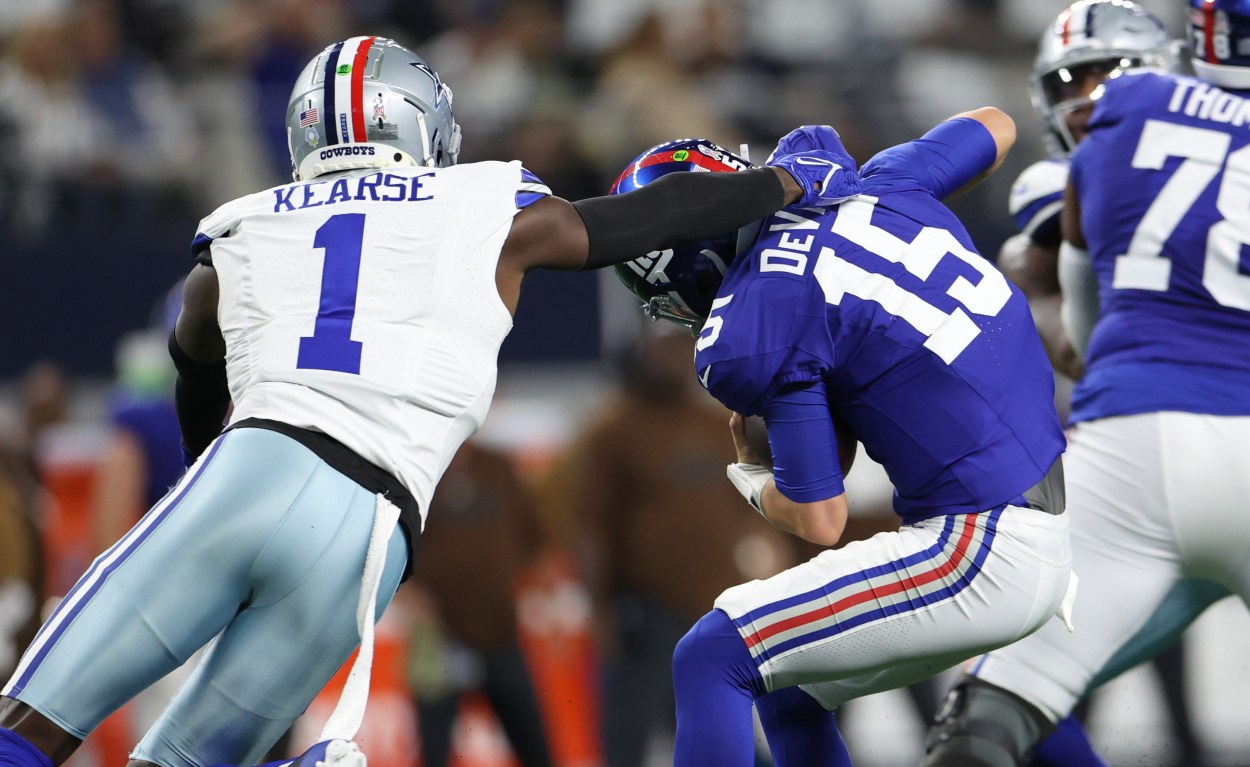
(398, 157)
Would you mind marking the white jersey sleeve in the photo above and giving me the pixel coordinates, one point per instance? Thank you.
(364, 305)
(1037, 198)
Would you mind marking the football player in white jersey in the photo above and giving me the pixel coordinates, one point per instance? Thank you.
(353, 319)
(1155, 296)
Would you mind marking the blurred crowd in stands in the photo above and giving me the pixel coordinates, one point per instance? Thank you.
(184, 100)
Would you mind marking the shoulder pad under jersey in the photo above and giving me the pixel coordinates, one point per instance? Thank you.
(1037, 197)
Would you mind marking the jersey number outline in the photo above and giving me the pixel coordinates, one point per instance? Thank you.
(947, 334)
(331, 347)
(1204, 154)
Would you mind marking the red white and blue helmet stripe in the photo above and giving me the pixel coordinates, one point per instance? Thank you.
(343, 115)
(689, 154)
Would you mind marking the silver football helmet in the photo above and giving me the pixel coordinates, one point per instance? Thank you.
(369, 102)
(1098, 38)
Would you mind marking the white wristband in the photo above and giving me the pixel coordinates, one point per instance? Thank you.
(750, 479)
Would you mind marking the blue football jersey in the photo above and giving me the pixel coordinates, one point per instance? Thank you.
(1163, 180)
(920, 344)
(153, 422)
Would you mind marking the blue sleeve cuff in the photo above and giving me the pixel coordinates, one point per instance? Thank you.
(200, 249)
(804, 445)
(961, 150)
(531, 190)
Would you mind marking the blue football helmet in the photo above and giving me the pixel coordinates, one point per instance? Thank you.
(1219, 33)
(679, 284)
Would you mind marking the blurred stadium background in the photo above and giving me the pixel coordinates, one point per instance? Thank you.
(123, 122)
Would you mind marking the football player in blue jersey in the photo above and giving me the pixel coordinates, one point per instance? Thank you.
(1155, 234)
(879, 314)
(351, 323)
(1089, 41)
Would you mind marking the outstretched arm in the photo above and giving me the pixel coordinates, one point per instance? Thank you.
(1002, 131)
(554, 233)
(680, 207)
(955, 155)
(601, 231)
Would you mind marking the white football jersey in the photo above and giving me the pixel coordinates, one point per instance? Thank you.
(364, 305)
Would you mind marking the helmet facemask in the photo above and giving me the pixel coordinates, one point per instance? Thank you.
(1090, 42)
(1064, 92)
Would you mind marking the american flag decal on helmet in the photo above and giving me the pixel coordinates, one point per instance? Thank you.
(308, 117)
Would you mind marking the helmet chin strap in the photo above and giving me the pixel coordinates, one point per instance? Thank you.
(453, 148)
(425, 141)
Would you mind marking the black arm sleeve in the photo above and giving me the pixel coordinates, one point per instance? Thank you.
(680, 207)
(201, 398)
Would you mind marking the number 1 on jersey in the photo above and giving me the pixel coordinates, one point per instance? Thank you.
(331, 347)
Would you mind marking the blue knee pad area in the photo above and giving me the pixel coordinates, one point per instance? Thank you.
(716, 682)
(1067, 746)
(714, 649)
(16, 751)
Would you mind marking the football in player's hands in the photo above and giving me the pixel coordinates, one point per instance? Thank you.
(848, 444)
(757, 440)
(756, 435)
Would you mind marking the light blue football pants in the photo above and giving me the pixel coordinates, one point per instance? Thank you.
(261, 545)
